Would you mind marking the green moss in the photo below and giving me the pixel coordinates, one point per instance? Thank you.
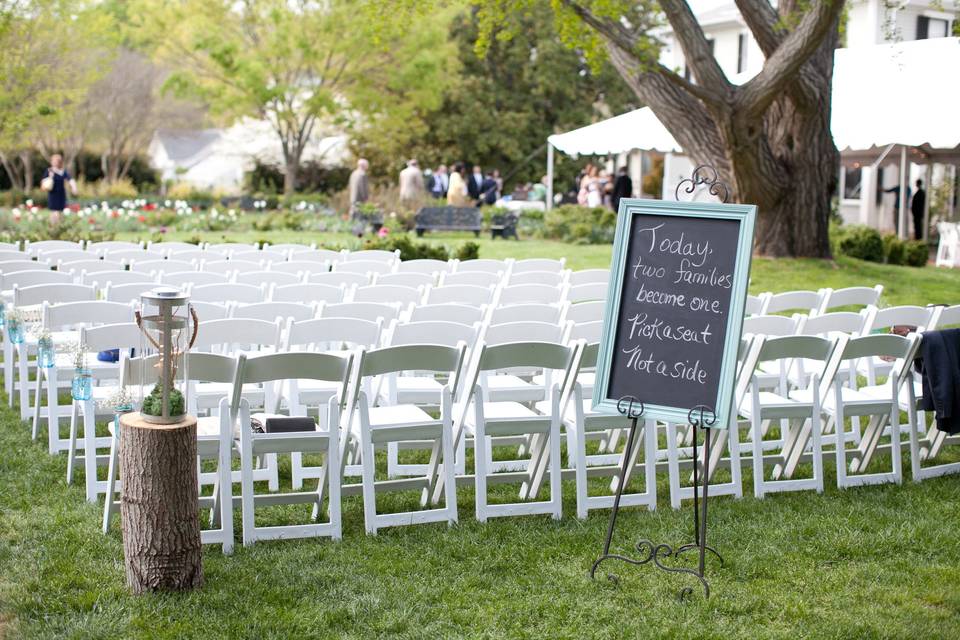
(153, 403)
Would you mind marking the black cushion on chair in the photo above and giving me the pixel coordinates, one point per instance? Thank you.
(289, 425)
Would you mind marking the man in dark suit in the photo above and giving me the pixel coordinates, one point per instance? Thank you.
(489, 190)
(917, 207)
(475, 183)
(622, 188)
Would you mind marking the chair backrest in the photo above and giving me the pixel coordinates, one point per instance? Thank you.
(551, 278)
(484, 279)
(909, 315)
(388, 293)
(100, 248)
(54, 258)
(229, 292)
(433, 332)
(166, 248)
(229, 266)
(76, 267)
(771, 325)
(949, 317)
(320, 255)
(483, 264)
(210, 310)
(269, 278)
(290, 366)
(45, 246)
(589, 292)
(538, 264)
(272, 310)
(7, 255)
(87, 312)
(186, 279)
(118, 335)
(806, 301)
(371, 311)
(790, 349)
(588, 332)
(290, 247)
(829, 324)
(319, 333)
(127, 256)
(298, 267)
(9, 266)
(52, 293)
(363, 266)
(525, 293)
(308, 293)
(127, 292)
(10, 246)
(460, 294)
(535, 312)
(424, 265)
(100, 279)
(339, 278)
(162, 266)
(531, 331)
(850, 297)
(259, 255)
(410, 279)
(193, 255)
(228, 247)
(373, 255)
(388, 361)
(448, 312)
(589, 276)
(585, 311)
(230, 334)
(31, 278)
(756, 304)
(901, 348)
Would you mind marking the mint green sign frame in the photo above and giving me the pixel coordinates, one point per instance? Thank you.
(631, 207)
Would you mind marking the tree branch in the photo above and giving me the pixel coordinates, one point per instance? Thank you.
(782, 67)
(696, 48)
(761, 19)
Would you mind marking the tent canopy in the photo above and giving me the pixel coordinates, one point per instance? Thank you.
(899, 93)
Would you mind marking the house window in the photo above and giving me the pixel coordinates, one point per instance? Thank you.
(852, 181)
(741, 53)
(928, 27)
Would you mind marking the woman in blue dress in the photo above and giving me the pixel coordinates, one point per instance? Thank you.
(55, 181)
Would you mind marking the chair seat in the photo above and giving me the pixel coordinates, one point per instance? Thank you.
(797, 404)
(508, 418)
(511, 388)
(859, 401)
(399, 422)
(253, 393)
(418, 390)
(882, 391)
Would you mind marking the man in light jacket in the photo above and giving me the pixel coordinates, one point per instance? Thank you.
(359, 186)
(411, 185)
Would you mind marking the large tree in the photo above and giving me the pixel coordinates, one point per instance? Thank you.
(299, 64)
(769, 138)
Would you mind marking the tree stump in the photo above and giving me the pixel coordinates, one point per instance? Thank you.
(160, 506)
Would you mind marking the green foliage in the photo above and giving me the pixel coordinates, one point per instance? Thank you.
(916, 253)
(467, 251)
(893, 249)
(153, 403)
(860, 242)
(279, 220)
(409, 250)
(653, 181)
(580, 225)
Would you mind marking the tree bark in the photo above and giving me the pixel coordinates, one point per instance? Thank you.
(291, 169)
(160, 505)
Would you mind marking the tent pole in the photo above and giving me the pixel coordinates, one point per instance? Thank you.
(928, 176)
(902, 221)
(549, 176)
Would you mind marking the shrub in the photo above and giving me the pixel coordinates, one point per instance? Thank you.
(861, 242)
(580, 225)
(122, 188)
(467, 251)
(894, 249)
(409, 250)
(916, 253)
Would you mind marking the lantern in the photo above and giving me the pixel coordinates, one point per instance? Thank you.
(168, 328)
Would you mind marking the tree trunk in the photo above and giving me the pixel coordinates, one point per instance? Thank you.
(160, 505)
(292, 168)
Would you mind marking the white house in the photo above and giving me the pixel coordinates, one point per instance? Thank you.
(217, 159)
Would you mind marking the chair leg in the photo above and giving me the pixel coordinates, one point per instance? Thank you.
(247, 496)
(109, 506)
(296, 470)
(450, 477)
(480, 473)
(72, 447)
(225, 490)
(556, 466)
(90, 450)
(433, 471)
(579, 446)
(673, 465)
(8, 370)
(758, 479)
(35, 431)
(369, 487)
(334, 474)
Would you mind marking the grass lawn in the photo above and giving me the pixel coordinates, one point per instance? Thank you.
(872, 562)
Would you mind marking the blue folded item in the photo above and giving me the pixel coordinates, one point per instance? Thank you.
(110, 355)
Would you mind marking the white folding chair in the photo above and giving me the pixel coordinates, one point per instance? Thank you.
(798, 411)
(448, 312)
(384, 312)
(259, 255)
(533, 312)
(8, 255)
(270, 311)
(231, 292)
(373, 255)
(187, 279)
(804, 301)
(917, 318)
(101, 248)
(127, 256)
(308, 293)
(484, 279)
(324, 439)
(215, 439)
(210, 310)
(850, 297)
(756, 305)
(40, 247)
(22, 264)
(193, 255)
(424, 265)
(290, 247)
(227, 248)
(591, 291)
(585, 311)
(300, 268)
(102, 279)
(363, 267)
(526, 293)
(168, 247)
(405, 296)
(320, 256)
(490, 266)
(550, 278)
(84, 413)
(589, 276)
(411, 279)
(538, 265)
(339, 279)
(485, 420)
(518, 385)
(161, 267)
(77, 267)
(127, 292)
(267, 278)
(53, 258)
(460, 294)
(230, 267)
(392, 424)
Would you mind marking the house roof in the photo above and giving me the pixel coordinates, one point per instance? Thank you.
(182, 146)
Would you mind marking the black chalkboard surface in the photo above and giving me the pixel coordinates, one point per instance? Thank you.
(675, 307)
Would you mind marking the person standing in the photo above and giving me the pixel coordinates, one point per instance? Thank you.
(359, 185)
(475, 183)
(411, 185)
(457, 193)
(895, 190)
(439, 183)
(55, 181)
(622, 188)
(489, 190)
(917, 207)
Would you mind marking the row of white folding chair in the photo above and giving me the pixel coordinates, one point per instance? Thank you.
(813, 302)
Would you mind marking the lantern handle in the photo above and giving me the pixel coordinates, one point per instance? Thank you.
(156, 345)
(196, 327)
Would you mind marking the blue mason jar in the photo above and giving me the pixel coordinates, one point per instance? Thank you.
(3, 314)
(82, 385)
(45, 352)
(15, 331)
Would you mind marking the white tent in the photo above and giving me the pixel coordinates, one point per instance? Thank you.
(886, 98)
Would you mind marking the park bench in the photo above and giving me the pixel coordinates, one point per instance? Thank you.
(448, 219)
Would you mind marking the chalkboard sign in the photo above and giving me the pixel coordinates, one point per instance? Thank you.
(675, 303)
